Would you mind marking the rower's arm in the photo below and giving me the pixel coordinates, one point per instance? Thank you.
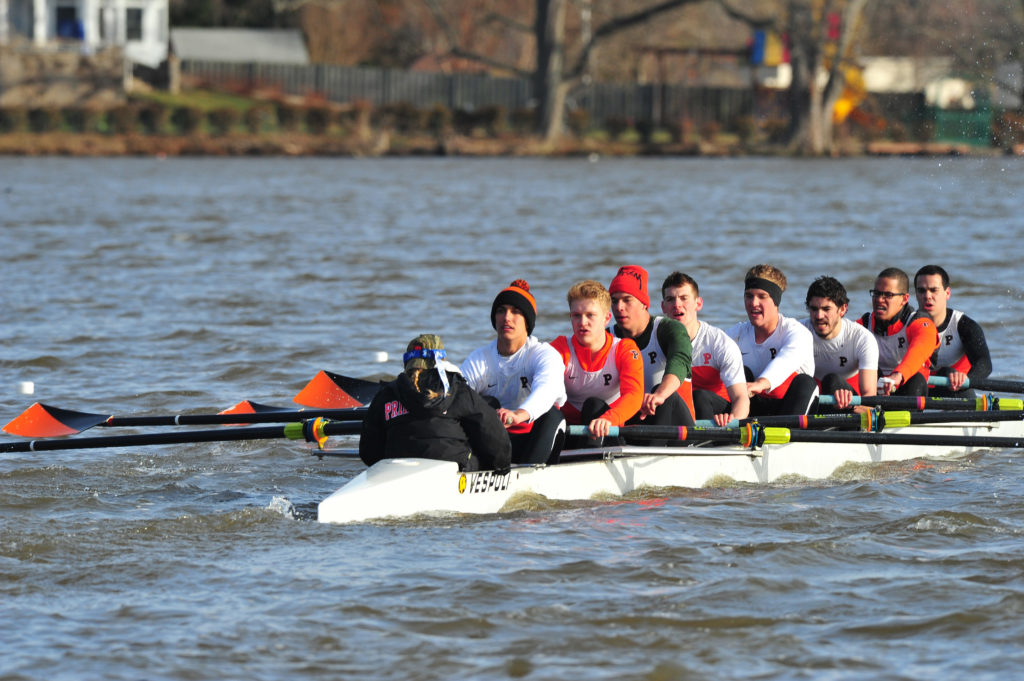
(922, 339)
(975, 347)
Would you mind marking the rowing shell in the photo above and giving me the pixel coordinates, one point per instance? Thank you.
(407, 487)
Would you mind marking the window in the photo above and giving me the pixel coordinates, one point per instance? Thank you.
(133, 23)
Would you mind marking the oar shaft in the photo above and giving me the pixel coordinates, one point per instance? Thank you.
(998, 385)
(290, 430)
(354, 414)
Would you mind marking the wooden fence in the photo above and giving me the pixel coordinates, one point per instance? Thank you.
(657, 105)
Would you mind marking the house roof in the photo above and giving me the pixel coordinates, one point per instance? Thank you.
(277, 46)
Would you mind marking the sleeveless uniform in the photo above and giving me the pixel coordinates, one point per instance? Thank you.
(655, 360)
(581, 384)
(617, 380)
(850, 352)
(951, 351)
(904, 336)
(717, 362)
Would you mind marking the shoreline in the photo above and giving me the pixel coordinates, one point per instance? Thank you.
(383, 144)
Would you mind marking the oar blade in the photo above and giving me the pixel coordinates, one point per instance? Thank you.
(250, 407)
(41, 420)
(328, 390)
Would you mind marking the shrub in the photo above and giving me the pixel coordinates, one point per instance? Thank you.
(82, 118)
(439, 119)
(491, 118)
(44, 119)
(709, 130)
(579, 121)
(524, 120)
(13, 119)
(187, 119)
(464, 121)
(122, 119)
(223, 119)
(257, 117)
(287, 116)
(154, 118)
(744, 127)
(616, 125)
(645, 129)
(318, 119)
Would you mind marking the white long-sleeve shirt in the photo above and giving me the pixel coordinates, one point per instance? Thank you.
(789, 350)
(531, 379)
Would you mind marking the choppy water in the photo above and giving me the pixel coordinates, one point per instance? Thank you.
(148, 286)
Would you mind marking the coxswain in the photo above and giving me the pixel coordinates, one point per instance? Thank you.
(430, 412)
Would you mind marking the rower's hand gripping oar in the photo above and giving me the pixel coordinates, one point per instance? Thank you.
(314, 430)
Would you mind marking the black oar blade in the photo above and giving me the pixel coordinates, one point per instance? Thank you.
(41, 420)
(328, 390)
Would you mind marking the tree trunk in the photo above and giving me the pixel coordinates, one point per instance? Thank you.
(548, 88)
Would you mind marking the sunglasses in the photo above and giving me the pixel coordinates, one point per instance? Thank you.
(886, 295)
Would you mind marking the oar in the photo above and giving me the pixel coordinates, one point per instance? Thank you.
(41, 420)
(983, 403)
(328, 390)
(315, 430)
(995, 384)
(873, 421)
(753, 435)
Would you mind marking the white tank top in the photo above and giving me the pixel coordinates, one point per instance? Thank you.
(603, 383)
(951, 347)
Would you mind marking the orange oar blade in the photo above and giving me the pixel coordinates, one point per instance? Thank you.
(325, 392)
(40, 420)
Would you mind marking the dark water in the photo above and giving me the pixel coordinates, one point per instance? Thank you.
(147, 286)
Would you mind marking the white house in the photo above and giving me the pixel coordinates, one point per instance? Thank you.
(139, 27)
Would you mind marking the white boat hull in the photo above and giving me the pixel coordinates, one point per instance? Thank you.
(406, 487)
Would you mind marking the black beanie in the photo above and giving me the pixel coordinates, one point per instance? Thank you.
(518, 296)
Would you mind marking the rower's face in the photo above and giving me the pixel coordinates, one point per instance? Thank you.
(681, 303)
(589, 319)
(887, 299)
(630, 313)
(931, 294)
(825, 316)
(761, 309)
(510, 323)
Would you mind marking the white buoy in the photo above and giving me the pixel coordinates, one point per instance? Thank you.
(380, 357)
(26, 387)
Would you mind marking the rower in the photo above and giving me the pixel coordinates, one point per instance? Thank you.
(664, 346)
(778, 352)
(719, 384)
(604, 375)
(845, 353)
(962, 353)
(521, 377)
(429, 412)
(906, 338)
